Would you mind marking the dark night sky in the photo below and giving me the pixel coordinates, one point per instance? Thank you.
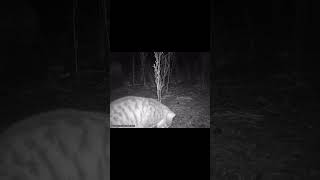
(271, 19)
(35, 33)
(273, 26)
(273, 23)
(267, 29)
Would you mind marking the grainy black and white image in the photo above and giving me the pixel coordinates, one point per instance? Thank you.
(266, 110)
(53, 94)
(160, 89)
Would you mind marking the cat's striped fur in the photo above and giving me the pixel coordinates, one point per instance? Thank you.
(139, 112)
(58, 145)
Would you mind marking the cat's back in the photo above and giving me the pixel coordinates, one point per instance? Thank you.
(60, 144)
(133, 111)
(127, 99)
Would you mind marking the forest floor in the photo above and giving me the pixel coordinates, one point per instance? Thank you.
(265, 130)
(190, 103)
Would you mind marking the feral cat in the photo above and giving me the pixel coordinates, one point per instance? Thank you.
(139, 112)
(61, 144)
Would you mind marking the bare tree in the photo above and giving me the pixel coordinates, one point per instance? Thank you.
(168, 65)
(143, 57)
(162, 70)
(133, 69)
(75, 38)
(205, 69)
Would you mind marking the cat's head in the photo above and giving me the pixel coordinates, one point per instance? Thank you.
(167, 119)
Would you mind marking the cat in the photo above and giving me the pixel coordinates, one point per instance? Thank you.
(60, 144)
(139, 112)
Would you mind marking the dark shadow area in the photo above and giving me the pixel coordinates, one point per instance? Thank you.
(52, 57)
(265, 112)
